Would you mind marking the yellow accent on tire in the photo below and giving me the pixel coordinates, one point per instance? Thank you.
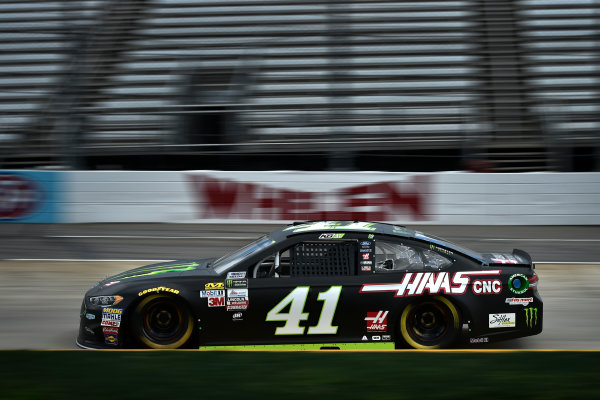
(406, 336)
(175, 345)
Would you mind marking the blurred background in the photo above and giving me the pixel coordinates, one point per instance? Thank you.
(484, 85)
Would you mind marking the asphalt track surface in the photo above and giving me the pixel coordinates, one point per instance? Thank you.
(46, 269)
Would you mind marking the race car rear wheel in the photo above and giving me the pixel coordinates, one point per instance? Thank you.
(430, 324)
(162, 322)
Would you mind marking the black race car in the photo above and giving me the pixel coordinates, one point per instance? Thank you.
(324, 284)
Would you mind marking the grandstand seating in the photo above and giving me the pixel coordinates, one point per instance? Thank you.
(511, 82)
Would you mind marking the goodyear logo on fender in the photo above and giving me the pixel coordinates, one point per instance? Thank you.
(158, 289)
(214, 285)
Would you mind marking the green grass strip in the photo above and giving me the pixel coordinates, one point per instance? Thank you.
(146, 375)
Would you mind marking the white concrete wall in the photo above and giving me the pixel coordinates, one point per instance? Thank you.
(279, 196)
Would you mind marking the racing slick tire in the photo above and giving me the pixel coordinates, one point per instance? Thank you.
(432, 323)
(162, 322)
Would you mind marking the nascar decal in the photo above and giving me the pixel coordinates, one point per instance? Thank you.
(416, 283)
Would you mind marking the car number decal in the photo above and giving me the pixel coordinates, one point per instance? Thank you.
(296, 300)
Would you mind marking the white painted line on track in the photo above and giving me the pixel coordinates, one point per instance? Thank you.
(150, 237)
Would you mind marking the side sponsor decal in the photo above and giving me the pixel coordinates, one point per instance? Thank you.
(158, 289)
(236, 283)
(111, 317)
(377, 321)
(236, 275)
(237, 292)
(519, 301)
(331, 235)
(479, 340)
(507, 320)
(417, 283)
(216, 301)
(212, 293)
(518, 283)
(214, 285)
(487, 286)
(531, 316)
(111, 338)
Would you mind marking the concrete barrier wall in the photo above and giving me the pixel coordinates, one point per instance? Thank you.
(281, 196)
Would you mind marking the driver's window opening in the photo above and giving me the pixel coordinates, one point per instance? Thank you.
(277, 265)
(398, 257)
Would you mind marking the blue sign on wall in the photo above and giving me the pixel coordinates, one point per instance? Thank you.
(30, 196)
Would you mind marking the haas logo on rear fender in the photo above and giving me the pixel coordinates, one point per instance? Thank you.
(419, 283)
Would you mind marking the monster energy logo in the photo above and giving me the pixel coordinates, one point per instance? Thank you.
(531, 317)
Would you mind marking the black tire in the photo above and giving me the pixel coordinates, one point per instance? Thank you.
(430, 324)
(162, 322)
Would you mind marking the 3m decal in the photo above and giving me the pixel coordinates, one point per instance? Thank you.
(502, 320)
(519, 301)
(518, 283)
(158, 289)
(417, 283)
(377, 321)
(295, 301)
(531, 316)
(214, 285)
(331, 235)
(216, 301)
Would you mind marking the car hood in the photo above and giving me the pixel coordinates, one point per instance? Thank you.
(201, 267)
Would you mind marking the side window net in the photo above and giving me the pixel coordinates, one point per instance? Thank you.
(323, 259)
(397, 257)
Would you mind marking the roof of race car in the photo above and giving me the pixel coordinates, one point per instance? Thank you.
(359, 226)
(368, 227)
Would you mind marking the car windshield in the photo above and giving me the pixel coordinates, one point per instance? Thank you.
(226, 262)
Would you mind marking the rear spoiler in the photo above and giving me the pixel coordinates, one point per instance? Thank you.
(518, 258)
(523, 257)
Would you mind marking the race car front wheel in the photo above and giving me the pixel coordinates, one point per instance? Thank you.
(162, 322)
(430, 324)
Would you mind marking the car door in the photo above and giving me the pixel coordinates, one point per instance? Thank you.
(303, 292)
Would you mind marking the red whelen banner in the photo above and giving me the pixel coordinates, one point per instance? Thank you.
(386, 200)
